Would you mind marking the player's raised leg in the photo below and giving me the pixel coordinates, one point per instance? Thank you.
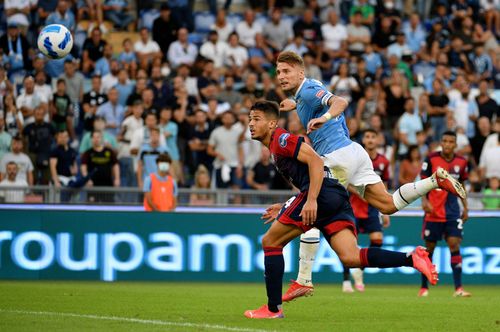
(456, 265)
(272, 243)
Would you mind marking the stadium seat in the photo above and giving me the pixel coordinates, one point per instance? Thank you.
(203, 22)
(116, 39)
(234, 19)
(147, 17)
(261, 19)
(197, 38)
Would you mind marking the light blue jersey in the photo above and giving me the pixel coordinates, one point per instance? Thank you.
(312, 102)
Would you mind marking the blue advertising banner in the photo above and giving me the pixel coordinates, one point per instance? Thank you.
(132, 245)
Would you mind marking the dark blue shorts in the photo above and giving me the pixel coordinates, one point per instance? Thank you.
(334, 211)
(369, 225)
(435, 231)
(233, 181)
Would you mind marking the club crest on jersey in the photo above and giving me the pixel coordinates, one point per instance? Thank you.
(320, 93)
(282, 139)
(456, 168)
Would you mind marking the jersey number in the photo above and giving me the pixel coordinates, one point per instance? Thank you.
(289, 202)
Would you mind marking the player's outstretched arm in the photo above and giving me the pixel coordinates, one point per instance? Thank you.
(337, 106)
(316, 172)
(287, 105)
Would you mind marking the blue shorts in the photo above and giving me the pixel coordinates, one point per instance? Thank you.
(334, 211)
(435, 231)
(369, 225)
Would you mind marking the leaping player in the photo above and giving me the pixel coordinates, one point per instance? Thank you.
(321, 112)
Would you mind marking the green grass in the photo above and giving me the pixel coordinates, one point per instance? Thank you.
(380, 308)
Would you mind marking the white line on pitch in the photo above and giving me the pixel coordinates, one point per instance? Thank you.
(132, 320)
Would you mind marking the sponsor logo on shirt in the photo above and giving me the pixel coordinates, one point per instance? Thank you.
(282, 139)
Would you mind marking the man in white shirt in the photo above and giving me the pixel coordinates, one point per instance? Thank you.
(18, 12)
(334, 35)
(12, 195)
(214, 49)
(23, 162)
(28, 100)
(182, 51)
(248, 28)
(146, 49)
(277, 32)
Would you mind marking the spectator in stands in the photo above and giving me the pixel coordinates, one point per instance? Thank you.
(108, 140)
(492, 203)
(384, 35)
(477, 142)
(146, 49)
(18, 12)
(5, 138)
(44, 9)
(311, 69)
(415, 33)
(29, 100)
(488, 107)
(335, 36)
(182, 51)
(111, 79)
(261, 56)
(12, 180)
(102, 66)
(214, 49)
(63, 163)
(23, 162)
(358, 35)
(236, 58)
(165, 28)
(277, 32)
(100, 162)
(62, 15)
(113, 112)
(117, 11)
(228, 94)
(224, 145)
(160, 87)
(367, 12)
(14, 120)
(143, 135)
(148, 98)
(400, 47)
(221, 26)
(39, 135)
(373, 60)
(260, 177)
(124, 87)
(248, 28)
(146, 159)
(93, 50)
(201, 181)
(457, 54)
(170, 131)
(91, 101)
(41, 86)
(160, 189)
(343, 84)
(127, 58)
(182, 12)
(388, 9)
(136, 95)
(395, 93)
(482, 64)
(309, 29)
(409, 124)
(251, 87)
(464, 109)
(61, 110)
(74, 82)
(490, 161)
(410, 165)
(198, 140)
(438, 109)
(270, 90)
(368, 106)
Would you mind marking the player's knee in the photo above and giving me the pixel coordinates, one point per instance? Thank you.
(269, 241)
(349, 259)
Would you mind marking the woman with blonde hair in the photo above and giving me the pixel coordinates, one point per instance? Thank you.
(201, 181)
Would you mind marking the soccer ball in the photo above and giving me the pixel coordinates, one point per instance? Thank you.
(55, 41)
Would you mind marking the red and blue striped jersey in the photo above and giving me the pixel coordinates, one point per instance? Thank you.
(445, 205)
(361, 208)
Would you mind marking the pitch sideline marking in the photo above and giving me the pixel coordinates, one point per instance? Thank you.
(132, 320)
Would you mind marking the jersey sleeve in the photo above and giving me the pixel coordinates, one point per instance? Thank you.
(385, 173)
(426, 170)
(285, 144)
(316, 95)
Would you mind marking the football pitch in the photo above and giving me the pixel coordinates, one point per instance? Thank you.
(134, 306)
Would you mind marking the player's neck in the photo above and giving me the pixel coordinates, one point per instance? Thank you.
(447, 157)
(372, 153)
(267, 140)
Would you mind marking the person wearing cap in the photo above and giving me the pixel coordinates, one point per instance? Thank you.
(165, 28)
(15, 48)
(160, 188)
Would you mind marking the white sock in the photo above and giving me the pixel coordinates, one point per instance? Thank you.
(409, 192)
(309, 244)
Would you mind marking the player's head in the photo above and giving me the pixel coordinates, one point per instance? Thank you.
(264, 116)
(449, 142)
(370, 139)
(290, 71)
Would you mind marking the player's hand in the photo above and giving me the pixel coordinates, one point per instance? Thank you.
(465, 215)
(271, 213)
(309, 212)
(287, 105)
(315, 124)
(386, 221)
(428, 208)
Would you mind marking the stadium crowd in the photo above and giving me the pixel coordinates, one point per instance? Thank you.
(181, 82)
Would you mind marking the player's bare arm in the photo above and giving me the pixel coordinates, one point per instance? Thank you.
(337, 107)
(287, 105)
(316, 173)
(465, 212)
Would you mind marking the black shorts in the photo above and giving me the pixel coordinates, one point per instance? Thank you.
(369, 225)
(435, 231)
(334, 211)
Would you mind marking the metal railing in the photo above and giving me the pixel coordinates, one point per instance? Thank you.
(186, 197)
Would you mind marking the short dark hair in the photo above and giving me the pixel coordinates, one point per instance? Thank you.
(164, 157)
(370, 130)
(270, 108)
(449, 133)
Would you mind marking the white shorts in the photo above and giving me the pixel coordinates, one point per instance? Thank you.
(352, 165)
